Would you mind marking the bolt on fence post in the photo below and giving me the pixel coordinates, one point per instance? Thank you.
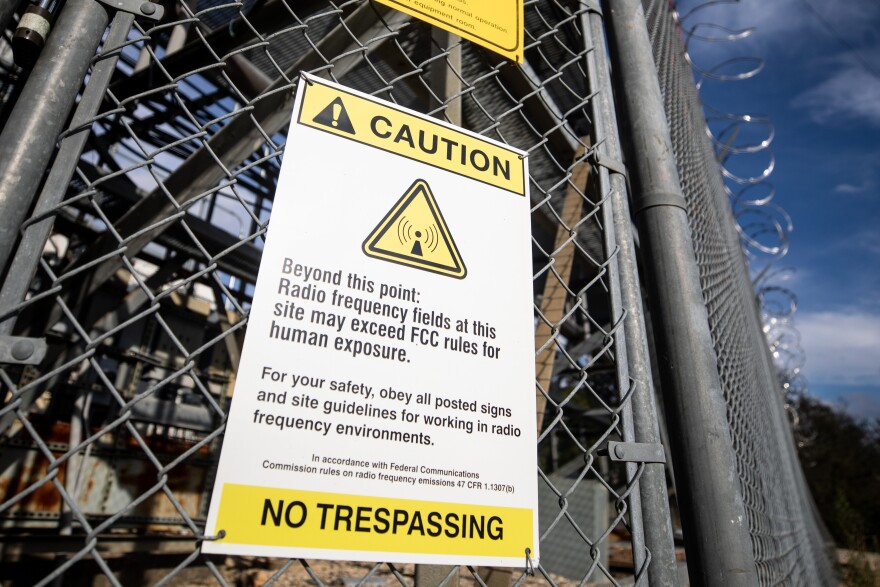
(28, 140)
(713, 515)
(656, 517)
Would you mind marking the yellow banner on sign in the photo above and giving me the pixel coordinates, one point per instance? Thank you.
(360, 119)
(267, 516)
(494, 24)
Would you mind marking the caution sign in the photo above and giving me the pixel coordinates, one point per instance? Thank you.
(395, 130)
(384, 405)
(494, 24)
(414, 233)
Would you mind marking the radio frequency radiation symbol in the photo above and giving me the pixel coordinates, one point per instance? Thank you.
(414, 234)
(335, 116)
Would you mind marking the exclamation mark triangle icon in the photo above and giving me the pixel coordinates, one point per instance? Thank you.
(335, 116)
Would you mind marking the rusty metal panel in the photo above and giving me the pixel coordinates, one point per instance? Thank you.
(21, 468)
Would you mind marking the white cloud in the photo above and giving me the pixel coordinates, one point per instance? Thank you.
(783, 276)
(868, 240)
(865, 240)
(786, 23)
(848, 188)
(851, 94)
(768, 18)
(862, 171)
(842, 347)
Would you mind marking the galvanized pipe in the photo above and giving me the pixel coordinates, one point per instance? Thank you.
(652, 485)
(24, 265)
(28, 140)
(713, 515)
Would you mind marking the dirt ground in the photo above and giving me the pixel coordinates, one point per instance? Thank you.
(333, 574)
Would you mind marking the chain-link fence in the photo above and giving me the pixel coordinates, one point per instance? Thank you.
(786, 543)
(139, 159)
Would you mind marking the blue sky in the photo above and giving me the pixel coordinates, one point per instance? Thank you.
(820, 89)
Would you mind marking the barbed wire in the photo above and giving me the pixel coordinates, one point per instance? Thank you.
(763, 225)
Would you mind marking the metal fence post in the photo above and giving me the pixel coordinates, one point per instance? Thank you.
(713, 514)
(24, 265)
(445, 85)
(654, 494)
(28, 140)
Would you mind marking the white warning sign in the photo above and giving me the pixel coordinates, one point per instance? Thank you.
(384, 403)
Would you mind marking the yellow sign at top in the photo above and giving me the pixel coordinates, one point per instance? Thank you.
(494, 24)
(421, 138)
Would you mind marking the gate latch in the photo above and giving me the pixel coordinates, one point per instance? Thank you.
(636, 452)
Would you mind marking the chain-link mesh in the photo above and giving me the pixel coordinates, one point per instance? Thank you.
(786, 542)
(143, 286)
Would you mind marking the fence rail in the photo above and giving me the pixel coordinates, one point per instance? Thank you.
(138, 165)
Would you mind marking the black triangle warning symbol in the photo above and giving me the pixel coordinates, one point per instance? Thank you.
(335, 116)
(414, 233)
